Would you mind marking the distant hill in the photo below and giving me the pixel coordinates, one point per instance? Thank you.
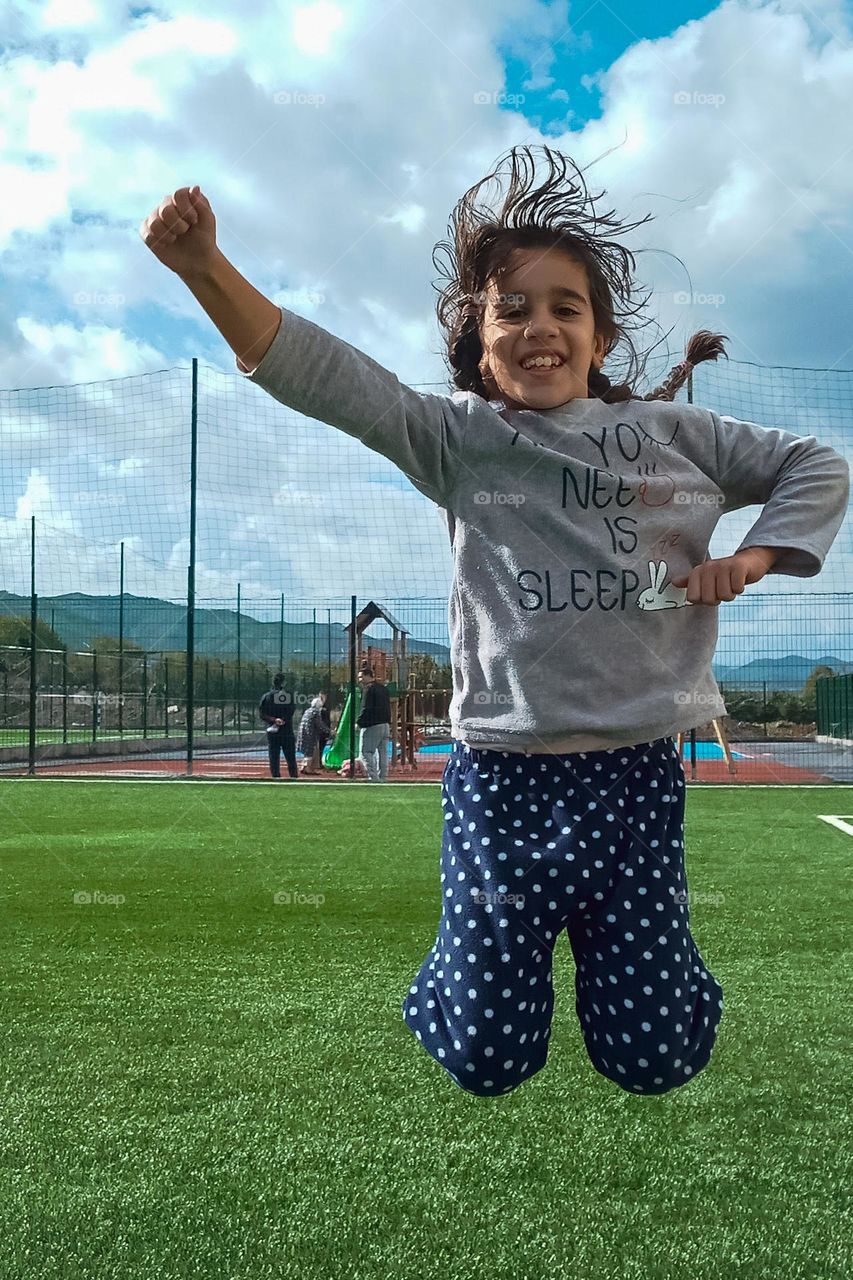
(789, 673)
(162, 625)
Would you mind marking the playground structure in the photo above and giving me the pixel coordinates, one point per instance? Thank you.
(392, 669)
(722, 738)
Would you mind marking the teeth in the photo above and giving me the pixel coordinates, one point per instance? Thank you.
(545, 362)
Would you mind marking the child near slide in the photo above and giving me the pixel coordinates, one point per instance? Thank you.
(583, 613)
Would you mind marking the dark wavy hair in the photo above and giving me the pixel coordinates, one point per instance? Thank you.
(551, 215)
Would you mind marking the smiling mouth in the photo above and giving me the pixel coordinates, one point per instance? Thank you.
(542, 371)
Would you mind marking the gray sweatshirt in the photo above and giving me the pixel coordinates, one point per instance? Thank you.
(567, 526)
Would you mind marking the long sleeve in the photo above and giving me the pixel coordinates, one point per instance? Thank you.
(321, 376)
(803, 485)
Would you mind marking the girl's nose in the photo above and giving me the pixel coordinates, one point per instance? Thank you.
(541, 324)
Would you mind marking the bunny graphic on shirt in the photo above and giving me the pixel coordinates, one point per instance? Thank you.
(658, 596)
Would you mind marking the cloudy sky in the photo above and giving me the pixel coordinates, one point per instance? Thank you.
(333, 141)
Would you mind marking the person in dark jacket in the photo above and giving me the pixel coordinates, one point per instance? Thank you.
(276, 708)
(374, 720)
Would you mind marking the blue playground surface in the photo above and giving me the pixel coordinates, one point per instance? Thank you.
(704, 751)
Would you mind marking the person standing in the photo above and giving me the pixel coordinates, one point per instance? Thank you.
(314, 732)
(276, 708)
(374, 720)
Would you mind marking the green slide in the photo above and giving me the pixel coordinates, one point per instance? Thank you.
(338, 753)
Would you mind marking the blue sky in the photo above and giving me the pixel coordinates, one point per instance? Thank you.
(333, 141)
(595, 35)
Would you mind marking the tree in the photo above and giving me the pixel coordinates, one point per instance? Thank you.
(811, 682)
(15, 643)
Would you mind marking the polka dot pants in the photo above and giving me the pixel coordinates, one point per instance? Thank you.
(590, 842)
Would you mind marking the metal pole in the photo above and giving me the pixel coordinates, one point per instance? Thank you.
(31, 765)
(65, 695)
(281, 636)
(764, 705)
(237, 688)
(329, 640)
(352, 648)
(191, 572)
(121, 645)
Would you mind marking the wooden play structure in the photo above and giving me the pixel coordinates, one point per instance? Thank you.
(393, 670)
(722, 739)
(412, 708)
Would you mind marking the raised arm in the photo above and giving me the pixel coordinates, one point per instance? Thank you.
(304, 366)
(181, 233)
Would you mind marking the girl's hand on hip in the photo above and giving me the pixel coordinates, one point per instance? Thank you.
(719, 580)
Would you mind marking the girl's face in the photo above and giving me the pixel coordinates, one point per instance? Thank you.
(543, 304)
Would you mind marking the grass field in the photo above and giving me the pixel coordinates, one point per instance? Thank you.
(200, 1082)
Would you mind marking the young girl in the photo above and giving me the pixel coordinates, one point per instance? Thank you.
(582, 616)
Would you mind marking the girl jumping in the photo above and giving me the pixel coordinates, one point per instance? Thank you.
(583, 614)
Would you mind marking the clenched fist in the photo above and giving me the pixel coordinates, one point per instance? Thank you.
(181, 231)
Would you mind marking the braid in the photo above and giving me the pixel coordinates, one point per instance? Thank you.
(702, 346)
(600, 388)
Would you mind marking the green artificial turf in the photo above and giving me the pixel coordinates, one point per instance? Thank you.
(198, 1081)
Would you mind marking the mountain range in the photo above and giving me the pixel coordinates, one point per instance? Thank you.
(161, 625)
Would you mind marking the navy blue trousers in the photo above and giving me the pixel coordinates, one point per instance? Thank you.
(591, 843)
(278, 742)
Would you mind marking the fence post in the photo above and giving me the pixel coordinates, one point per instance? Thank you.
(144, 696)
(31, 753)
(191, 572)
(352, 649)
(94, 695)
(166, 696)
(764, 705)
(121, 648)
(237, 674)
(65, 695)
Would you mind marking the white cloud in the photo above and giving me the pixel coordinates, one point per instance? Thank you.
(315, 26)
(58, 14)
(79, 355)
(330, 201)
